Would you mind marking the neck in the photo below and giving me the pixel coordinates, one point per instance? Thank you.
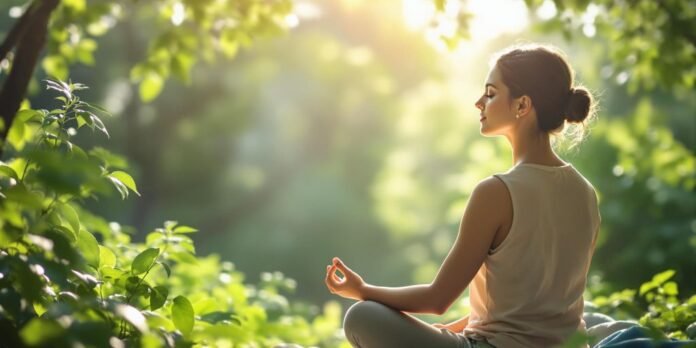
(532, 146)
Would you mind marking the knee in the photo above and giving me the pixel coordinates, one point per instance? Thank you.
(361, 315)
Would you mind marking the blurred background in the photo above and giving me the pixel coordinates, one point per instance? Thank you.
(354, 134)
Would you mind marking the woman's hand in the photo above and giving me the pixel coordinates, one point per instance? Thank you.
(349, 286)
(455, 326)
(449, 327)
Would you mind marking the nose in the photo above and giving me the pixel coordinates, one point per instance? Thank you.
(479, 104)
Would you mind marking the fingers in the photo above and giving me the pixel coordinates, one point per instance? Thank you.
(332, 281)
(327, 280)
(332, 274)
(341, 266)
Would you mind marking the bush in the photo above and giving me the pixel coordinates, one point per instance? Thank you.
(70, 278)
(656, 308)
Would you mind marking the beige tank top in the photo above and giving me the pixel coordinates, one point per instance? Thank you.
(529, 290)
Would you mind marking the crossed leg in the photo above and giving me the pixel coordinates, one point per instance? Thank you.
(371, 324)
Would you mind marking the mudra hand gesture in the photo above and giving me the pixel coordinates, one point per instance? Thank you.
(349, 286)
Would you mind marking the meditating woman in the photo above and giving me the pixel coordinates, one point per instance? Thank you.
(526, 237)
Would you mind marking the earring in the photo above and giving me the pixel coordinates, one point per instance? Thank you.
(517, 116)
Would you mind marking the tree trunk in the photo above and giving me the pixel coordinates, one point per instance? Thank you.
(29, 36)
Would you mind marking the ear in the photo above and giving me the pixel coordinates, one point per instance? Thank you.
(524, 105)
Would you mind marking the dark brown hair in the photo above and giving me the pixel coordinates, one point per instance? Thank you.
(543, 74)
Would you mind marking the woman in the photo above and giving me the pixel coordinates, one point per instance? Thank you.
(526, 237)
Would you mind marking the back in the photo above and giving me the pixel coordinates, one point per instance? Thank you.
(528, 292)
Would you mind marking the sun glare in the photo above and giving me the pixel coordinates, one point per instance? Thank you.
(417, 13)
(490, 19)
(494, 17)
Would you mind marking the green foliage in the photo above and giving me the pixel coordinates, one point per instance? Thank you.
(657, 307)
(69, 278)
(181, 33)
(649, 43)
(647, 198)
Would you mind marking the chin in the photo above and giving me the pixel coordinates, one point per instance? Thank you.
(486, 132)
(490, 133)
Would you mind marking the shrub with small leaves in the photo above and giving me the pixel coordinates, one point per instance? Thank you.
(70, 278)
(666, 316)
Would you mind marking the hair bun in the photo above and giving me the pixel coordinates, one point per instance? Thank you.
(579, 105)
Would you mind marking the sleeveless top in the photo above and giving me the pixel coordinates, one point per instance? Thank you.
(529, 290)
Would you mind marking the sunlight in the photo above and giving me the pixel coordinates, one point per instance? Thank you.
(178, 14)
(417, 13)
(491, 18)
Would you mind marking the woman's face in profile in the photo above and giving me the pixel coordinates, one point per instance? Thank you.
(496, 115)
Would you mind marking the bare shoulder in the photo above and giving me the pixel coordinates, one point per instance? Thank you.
(491, 189)
(492, 198)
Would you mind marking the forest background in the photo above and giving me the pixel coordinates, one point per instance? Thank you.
(291, 132)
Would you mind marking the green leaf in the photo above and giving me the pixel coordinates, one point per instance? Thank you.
(55, 65)
(89, 248)
(691, 301)
(77, 5)
(151, 86)
(671, 288)
(136, 286)
(99, 124)
(89, 280)
(120, 187)
(184, 229)
(60, 86)
(85, 50)
(154, 238)
(84, 118)
(158, 296)
(20, 194)
(144, 261)
(170, 224)
(663, 277)
(39, 308)
(8, 171)
(166, 268)
(67, 232)
(16, 135)
(182, 314)
(28, 115)
(647, 286)
(111, 273)
(126, 179)
(181, 66)
(133, 316)
(106, 257)
(40, 331)
(69, 214)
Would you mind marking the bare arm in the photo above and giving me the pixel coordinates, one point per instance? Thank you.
(485, 212)
(413, 298)
(479, 224)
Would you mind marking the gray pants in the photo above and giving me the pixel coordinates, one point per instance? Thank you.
(371, 324)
